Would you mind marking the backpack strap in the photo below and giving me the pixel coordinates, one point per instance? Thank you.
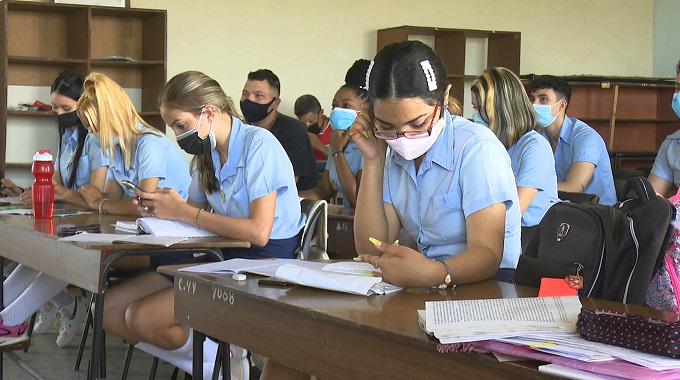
(640, 188)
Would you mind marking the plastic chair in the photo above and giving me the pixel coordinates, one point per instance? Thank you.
(315, 230)
(578, 197)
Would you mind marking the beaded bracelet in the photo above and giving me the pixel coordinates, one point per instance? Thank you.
(101, 203)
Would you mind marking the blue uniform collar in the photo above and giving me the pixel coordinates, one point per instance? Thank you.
(235, 158)
(566, 130)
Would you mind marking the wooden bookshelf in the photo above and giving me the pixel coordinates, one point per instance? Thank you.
(43, 39)
(501, 49)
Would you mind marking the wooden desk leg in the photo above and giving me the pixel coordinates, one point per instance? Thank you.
(197, 363)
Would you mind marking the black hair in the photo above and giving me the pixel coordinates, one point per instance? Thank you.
(560, 86)
(306, 104)
(355, 78)
(71, 85)
(398, 73)
(268, 76)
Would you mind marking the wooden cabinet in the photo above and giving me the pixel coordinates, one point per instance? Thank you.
(42, 39)
(633, 115)
(465, 53)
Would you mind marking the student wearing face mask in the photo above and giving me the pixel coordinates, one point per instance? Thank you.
(501, 103)
(665, 174)
(309, 112)
(259, 104)
(446, 181)
(581, 159)
(138, 153)
(343, 169)
(78, 162)
(241, 173)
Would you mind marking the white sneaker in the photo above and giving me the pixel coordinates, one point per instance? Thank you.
(45, 318)
(239, 363)
(69, 318)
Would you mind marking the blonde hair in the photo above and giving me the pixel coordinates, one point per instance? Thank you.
(454, 107)
(191, 91)
(106, 109)
(504, 104)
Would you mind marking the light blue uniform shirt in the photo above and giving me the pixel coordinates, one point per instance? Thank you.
(667, 162)
(578, 142)
(534, 166)
(355, 161)
(257, 165)
(155, 156)
(91, 158)
(466, 170)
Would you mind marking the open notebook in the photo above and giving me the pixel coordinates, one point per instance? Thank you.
(171, 228)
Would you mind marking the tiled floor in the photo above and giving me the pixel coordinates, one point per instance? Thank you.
(53, 362)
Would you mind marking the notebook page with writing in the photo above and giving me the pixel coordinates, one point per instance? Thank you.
(174, 228)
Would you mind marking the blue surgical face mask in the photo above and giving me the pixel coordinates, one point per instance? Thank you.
(477, 118)
(342, 118)
(544, 116)
(97, 142)
(675, 104)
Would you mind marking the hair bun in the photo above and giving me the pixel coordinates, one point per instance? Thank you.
(356, 75)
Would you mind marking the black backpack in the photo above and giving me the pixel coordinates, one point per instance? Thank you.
(616, 249)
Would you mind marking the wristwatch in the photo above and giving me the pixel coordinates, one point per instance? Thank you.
(337, 153)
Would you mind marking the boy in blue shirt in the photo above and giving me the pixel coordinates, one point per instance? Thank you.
(581, 159)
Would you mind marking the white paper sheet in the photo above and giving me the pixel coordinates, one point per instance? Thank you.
(348, 277)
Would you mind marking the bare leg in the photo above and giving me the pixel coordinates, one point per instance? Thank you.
(278, 371)
(119, 297)
(151, 320)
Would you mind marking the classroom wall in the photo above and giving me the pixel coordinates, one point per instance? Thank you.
(666, 41)
(310, 44)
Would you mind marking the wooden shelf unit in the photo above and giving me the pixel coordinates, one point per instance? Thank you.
(632, 114)
(43, 39)
(502, 50)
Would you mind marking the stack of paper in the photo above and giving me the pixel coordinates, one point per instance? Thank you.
(128, 227)
(484, 319)
(348, 277)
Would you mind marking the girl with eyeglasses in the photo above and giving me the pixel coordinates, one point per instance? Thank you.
(446, 182)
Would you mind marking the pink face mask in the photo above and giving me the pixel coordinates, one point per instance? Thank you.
(411, 149)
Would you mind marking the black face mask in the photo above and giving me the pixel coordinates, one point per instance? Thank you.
(67, 120)
(254, 112)
(192, 143)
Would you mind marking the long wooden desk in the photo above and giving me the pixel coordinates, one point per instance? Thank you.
(340, 232)
(336, 335)
(33, 243)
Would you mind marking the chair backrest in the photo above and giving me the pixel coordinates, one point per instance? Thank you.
(578, 197)
(315, 229)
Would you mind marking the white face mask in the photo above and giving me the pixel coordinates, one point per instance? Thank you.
(411, 149)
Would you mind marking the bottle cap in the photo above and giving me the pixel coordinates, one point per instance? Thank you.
(42, 155)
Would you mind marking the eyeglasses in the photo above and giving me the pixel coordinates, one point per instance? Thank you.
(391, 135)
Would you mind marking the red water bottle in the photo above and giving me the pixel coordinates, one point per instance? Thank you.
(42, 192)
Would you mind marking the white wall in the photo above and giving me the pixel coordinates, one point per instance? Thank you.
(310, 44)
(666, 33)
